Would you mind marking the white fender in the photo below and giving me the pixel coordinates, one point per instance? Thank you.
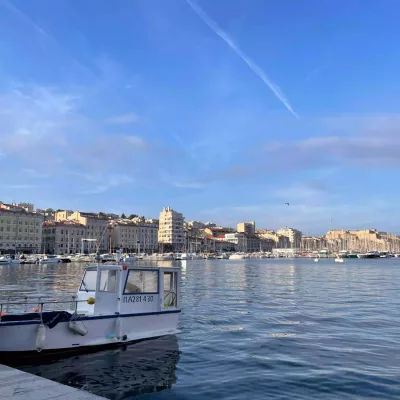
(118, 328)
(78, 329)
(40, 337)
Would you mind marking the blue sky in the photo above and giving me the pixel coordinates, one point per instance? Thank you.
(223, 110)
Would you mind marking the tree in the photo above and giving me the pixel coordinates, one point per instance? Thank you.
(49, 210)
(123, 215)
(132, 216)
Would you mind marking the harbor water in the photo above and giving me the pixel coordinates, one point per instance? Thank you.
(249, 329)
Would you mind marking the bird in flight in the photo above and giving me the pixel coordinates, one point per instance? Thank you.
(286, 204)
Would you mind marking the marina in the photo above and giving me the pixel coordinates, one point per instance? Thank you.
(247, 327)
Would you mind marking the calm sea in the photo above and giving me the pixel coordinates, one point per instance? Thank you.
(250, 329)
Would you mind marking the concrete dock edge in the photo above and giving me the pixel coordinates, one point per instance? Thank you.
(20, 385)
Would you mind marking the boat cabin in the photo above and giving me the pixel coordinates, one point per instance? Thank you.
(123, 289)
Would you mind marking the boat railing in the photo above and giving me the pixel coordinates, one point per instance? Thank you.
(38, 304)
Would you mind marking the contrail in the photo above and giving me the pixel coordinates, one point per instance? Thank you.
(38, 29)
(250, 63)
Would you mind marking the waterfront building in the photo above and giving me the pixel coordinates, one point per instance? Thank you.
(246, 227)
(238, 239)
(276, 240)
(218, 230)
(294, 236)
(313, 243)
(20, 230)
(95, 228)
(362, 240)
(134, 236)
(63, 237)
(171, 236)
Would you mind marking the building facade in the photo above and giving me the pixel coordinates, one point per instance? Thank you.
(20, 230)
(278, 241)
(294, 236)
(63, 237)
(217, 230)
(171, 234)
(135, 236)
(246, 227)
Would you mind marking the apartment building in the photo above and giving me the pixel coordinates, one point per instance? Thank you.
(218, 230)
(96, 228)
(246, 227)
(171, 233)
(63, 237)
(134, 236)
(293, 235)
(273, 239)
(20, 230)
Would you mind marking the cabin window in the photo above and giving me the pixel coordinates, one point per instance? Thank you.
(108, 281)
(89, 281)
(170, 285)
(142, 282)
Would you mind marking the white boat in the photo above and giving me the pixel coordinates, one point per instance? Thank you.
(50, 259)
(115, 304)
(81, 258)
(4, 261)
(237, 256)
(222, 256)
(339, 259)
(195, 256)
(182, 256)
(164, 257)
(316, 259)
(129, 258)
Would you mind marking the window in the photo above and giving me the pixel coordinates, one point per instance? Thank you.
(89, 281)
(142, 282)
(108, 281)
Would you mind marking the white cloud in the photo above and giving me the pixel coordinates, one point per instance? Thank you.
(136, 141)
(188, 185)
(21, 186)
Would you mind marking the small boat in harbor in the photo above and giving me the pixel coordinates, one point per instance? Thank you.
(316, 259)
(115, 304)
(339, 259)
(182, 256)
(237, 256)
(50, 259)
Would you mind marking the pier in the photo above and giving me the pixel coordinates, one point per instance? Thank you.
(20, 385)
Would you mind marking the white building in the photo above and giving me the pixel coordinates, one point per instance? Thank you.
(293, 235)
(171, 235)
(135, 236)
(238, 239)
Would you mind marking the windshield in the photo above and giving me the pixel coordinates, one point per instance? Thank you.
(89, 281)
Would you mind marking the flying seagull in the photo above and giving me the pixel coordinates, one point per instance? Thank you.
(286, 204)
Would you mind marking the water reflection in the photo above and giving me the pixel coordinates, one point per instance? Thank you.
(144, 367)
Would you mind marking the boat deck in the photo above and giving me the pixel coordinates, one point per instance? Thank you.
(19, 385)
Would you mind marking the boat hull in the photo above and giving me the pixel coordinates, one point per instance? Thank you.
(102, 330)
